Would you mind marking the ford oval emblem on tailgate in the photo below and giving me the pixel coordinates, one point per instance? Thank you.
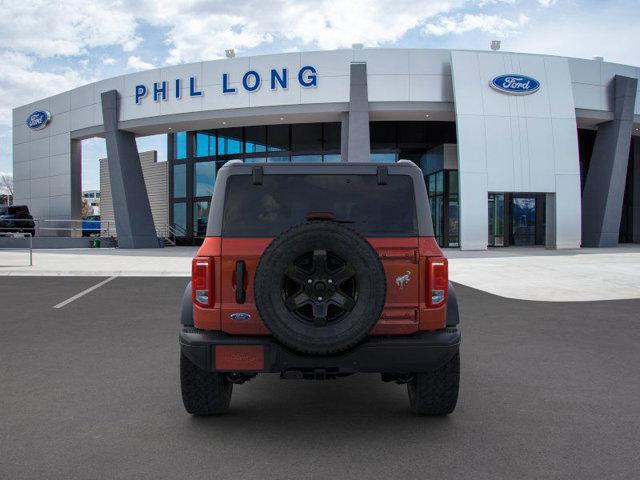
(240, 316)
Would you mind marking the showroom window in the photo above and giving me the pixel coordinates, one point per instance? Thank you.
(204, 177)
(180, 145)
(205, 145)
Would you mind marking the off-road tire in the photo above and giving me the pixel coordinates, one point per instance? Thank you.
(354, 325)
(203, 393)
(436, 393)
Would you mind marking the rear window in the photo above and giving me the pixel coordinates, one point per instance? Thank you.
(282, 201)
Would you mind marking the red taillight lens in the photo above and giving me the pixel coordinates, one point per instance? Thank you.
(437, 281)
(202, 281)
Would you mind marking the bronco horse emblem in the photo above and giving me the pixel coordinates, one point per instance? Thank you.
(402, 280)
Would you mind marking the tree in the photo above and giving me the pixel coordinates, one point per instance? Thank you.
(6, 182)
(86, 208)
(6, 186)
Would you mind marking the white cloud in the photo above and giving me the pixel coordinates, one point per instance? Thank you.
(21, 83)
(547, 3)
(214, 26)
(66, 28)
(108, 61)
(491, 24)
(135, 63)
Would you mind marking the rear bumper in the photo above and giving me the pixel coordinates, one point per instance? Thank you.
(421, 352)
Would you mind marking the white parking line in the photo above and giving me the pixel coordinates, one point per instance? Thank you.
(83, 293)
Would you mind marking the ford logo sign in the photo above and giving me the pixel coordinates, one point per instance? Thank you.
(240, 316)
(38, 119)
(515, 84)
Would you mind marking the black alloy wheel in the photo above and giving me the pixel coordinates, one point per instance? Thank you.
(320, 287)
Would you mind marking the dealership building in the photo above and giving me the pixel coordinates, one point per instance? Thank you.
(516, 149)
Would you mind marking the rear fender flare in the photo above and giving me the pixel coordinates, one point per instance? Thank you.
(186, 312)
(453, 315)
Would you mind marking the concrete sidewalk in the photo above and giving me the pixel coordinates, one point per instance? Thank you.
(155, 262)
(550, 275)
(520, 273)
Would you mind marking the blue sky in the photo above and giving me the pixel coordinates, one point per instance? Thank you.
(49, 49)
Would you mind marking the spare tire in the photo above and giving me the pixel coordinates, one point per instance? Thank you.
(320, 287)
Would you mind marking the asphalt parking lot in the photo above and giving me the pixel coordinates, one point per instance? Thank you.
(90, 390)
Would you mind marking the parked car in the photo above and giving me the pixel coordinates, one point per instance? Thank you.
(17, 219)
(319, 271)
(91, 225)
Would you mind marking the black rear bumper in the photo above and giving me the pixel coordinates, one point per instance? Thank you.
(421, 352)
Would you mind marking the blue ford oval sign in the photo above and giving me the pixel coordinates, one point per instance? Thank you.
(240, 316)
(38, 119)
(515, 84)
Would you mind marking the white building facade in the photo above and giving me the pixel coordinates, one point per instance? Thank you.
(516, 148)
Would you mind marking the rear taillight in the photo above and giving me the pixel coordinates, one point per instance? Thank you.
(437, 281)
(202, 281)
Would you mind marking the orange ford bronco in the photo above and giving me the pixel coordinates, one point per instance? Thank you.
(317, 271)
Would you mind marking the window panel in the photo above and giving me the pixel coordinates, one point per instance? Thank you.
(383, 157)
(332, 157)
(306, 158)
(383, 135)
(180, 146)
(204, 177)
(278, 138)
(200, 218)
(180, 217)
(180, 180)
(453, 182)
(255, 139)
(229, 141)
(205, 144)
(277, 159)
(332, 136)
(306, 137)
(412, 134)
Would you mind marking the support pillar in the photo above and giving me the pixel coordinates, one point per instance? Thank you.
(604, 187)
(131, 208)
(357, 141)
(636, 190)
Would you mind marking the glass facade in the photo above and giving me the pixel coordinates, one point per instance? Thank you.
(196, 156)
(442, 187)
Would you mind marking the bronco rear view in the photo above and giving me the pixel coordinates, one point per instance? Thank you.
(316, 271)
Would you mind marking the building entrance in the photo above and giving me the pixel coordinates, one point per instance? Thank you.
(516, 219)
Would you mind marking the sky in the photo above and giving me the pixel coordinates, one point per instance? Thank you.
(48, 47)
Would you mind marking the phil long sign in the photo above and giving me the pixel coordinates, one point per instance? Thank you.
(515, 84)
(250, 81)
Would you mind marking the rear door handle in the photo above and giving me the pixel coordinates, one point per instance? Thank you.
(241, 295)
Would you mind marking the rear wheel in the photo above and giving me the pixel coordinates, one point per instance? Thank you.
(436, 393)
(203, 393)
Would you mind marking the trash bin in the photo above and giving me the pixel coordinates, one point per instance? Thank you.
(95, 243)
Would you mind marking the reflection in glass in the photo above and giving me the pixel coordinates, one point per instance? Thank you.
(204, 177)
(180, 217)
(200, 218)
(205, 144)
(383, 157)
(180, 180)
(333, 157)
(229, 141)
(277, 159)
(255, 139)
(306, 158)
(496, 220)
(180, 146)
